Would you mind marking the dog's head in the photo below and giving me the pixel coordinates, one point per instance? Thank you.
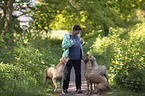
(64, 60)
(86, 58)
(92, 58)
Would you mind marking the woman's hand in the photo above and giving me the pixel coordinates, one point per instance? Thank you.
(82, 41)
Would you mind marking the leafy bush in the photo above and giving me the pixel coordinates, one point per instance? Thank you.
(6, 79)
(22, 66)
(30, 60)
(17, 81)
(123, 53)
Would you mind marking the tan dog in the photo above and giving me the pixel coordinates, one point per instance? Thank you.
(55, 73)
(94, 77)
(101, 69)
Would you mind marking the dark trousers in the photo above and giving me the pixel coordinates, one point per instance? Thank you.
(77, 67)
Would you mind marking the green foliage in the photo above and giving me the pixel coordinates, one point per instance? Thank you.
(127, 7)
(89, 39)
(6, 80)
(123, 53)
(23, 58)
(29, 59)
(46, 11)
(131, 5)
(14, 77)
(2, 42)
(15, 80)
(22, 67)
(47, 44)
(81, 12)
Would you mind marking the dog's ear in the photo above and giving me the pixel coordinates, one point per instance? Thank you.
(86, 59)
(68, 57)
(65, 59)
(62, 59)
(91, 58)
(87, 55)
(94, 59)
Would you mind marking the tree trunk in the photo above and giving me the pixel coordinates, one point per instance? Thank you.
(7, 21)
(3, 18)
(9, 13)
(126, 23)
(106, 30)
(6, 15)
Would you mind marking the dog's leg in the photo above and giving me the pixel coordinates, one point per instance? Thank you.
(61, 81)
(94, 86)
(45, 84)
(61, 85)
(54, 82)
(91, 88)
(87, 87)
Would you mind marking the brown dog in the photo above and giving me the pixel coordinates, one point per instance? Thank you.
(101, 69)
(55, 73)
(94, 77)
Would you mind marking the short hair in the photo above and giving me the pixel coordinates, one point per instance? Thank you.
(77, 27)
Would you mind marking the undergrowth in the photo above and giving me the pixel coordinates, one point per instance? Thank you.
(122, 52)
(22, 65)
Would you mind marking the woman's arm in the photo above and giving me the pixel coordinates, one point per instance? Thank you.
(67, 42)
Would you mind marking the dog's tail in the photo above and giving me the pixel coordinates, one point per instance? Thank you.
(45, 78)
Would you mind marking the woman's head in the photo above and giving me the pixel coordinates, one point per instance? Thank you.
(76, 30)
(77, 27)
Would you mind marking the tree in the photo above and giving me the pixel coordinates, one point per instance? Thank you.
(91, 14)
(45, 12)
(127, 7)
(96, 14)
(9, 23)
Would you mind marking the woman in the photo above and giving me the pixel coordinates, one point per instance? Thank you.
(72, 46)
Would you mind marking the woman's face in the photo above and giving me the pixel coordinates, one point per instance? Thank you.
(76, 32)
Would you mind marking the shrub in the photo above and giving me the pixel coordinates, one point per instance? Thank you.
(29, 59)
(123, 53)
(16, 81)
(22, 66)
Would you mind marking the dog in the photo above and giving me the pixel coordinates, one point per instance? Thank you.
(55, 73)
(94, 77)
(101, 69)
